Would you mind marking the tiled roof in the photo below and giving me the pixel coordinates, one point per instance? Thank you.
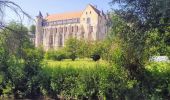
(64, 16)
(69, 15)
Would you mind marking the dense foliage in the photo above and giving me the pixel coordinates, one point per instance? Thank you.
(142, 26)
(139, 29)
(99, 81)
(20, 62)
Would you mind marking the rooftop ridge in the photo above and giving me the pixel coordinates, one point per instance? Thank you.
(62, 16)
(66, 12)
(69, 15)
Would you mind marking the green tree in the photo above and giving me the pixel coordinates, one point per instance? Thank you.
(158, 45)
(72, 46)
(18, 57)
(12, 6)
(146, 16)
(143, 28)
(16, 38)
(32, 29)
(84, 49)
(131, 44)
(152, 13)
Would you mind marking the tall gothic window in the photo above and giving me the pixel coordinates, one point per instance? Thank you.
(56, 30)
(72, 29)
(51, 40)
(60, 40)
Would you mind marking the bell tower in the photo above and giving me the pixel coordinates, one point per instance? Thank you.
(39, 30)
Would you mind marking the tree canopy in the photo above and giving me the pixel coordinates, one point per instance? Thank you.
(151, 13)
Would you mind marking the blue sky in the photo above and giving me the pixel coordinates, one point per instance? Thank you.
(32, 7)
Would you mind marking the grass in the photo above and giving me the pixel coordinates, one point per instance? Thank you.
(89, 63)
(78, 63)
(159, 67)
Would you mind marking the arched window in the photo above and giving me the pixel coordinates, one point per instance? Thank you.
(51, 41)
(72, 29)
(60, 40)
(56, 30)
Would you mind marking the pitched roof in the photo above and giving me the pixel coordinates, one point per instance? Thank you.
(95, 9)
(69, 15)
(64, 16)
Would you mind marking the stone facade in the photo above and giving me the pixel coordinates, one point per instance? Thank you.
(53, 30)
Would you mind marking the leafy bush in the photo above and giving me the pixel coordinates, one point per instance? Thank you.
(158, 78)
(32, 67)
(95, 57)
(20, 76)
(96, 48)
(56, 55)
(50, 55)
(84, 82)
(101, 81)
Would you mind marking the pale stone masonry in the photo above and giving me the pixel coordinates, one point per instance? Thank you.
(53, 30)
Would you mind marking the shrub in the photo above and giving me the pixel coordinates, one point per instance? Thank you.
(85, 82)
(95, 57)
(50, 55)
(56, 55)
(45, 76)
(96, 48)
(60, 54)
(159, 76)
(20, 76)
(32, 67)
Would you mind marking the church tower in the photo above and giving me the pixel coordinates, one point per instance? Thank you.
(39, 31)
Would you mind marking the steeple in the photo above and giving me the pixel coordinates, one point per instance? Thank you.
(39, 29)
(40, 14)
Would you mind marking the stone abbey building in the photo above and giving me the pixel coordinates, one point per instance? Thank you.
(53, 30)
